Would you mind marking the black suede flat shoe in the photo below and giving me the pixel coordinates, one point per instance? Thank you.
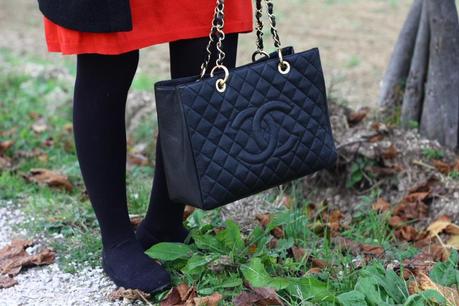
(127, 266)
(147, 238)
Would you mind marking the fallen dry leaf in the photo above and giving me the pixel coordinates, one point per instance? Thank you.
(386, 170)
(439, 225)
(423, 282)
(408, 211)
(7, 281)
(50, 178)
(172, 298)
(425, 186)
(258, 296)
(277, 232)
(406, 233)
(135, 220)
(454, 242)
(425, 260)
(264, 219)
(379, 127)
(381, 205)
(356, 248)
(188, 211)
(211, 300)
(372, 249)
(319, 263)
(5, 145)
(314, 270)
(452, 229)
(298, 253)
(396, 221)
(128, 294)
(416, 197)
(390, 153)
(272, 244)
(137, 159)
(40, 126)
(356, 117)
(252, 248)
(180, 295)
(14, 257)
(376, 138)
(334, 221)
(186, 291)
(441, 166)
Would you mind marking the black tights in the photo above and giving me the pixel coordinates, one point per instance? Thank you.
(101, 89)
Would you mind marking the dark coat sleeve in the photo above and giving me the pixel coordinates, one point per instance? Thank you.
(89, 15)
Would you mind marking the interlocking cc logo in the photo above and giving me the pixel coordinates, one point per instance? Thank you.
(264, 131)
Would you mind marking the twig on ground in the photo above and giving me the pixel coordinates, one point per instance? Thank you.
(422, 164)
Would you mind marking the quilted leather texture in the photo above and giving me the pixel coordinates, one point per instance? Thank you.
(264, 130)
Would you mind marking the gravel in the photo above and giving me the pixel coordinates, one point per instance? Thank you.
(48, 285)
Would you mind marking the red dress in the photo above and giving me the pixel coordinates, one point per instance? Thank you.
(154, 22)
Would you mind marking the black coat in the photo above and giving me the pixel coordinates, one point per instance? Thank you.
(89, 15)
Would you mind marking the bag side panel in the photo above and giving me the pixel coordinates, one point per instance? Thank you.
(178, 158)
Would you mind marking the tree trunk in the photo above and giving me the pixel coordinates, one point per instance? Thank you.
(431, 96)
(440, 118)
(399, 65)
(414, 91)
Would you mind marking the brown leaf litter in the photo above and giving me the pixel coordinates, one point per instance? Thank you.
(259, 297)
(184, 295)
(129, 295)
(423, 282)
(14, 258)
(50, 178)
(395, 162)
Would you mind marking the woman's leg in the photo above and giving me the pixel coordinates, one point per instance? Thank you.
(101, 89)
(164, 219)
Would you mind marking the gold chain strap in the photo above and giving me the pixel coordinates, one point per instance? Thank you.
(217, 31)
(218, 24)
(284, 66)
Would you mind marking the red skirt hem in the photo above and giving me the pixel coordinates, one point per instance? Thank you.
(154, 39)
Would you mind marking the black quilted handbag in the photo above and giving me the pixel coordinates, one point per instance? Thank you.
(231, 134)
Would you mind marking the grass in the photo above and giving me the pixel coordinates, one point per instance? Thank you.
(221, 259)
(430, 153)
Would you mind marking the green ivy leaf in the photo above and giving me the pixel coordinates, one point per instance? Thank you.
(168, 251)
